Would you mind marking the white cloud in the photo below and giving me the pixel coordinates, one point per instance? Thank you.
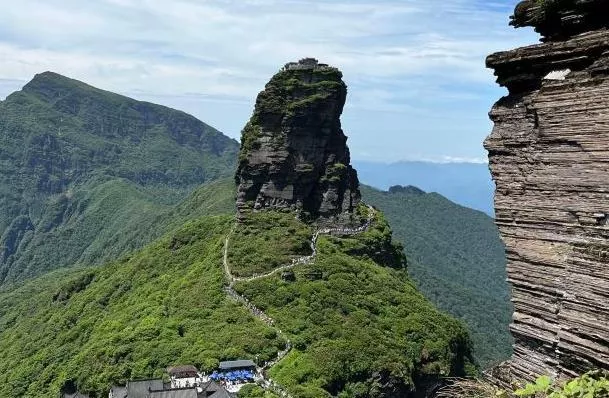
(227, 49)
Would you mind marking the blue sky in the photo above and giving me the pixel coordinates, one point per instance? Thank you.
(418, 87)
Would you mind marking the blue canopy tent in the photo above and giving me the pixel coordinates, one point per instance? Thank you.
(240, 370)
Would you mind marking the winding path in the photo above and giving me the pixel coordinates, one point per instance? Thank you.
(258, 313)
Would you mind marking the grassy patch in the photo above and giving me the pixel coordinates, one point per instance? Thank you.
(266, 240)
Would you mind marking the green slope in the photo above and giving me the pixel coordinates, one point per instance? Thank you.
(111, 226)
(163, 305)
(361, 330)
(79, 166)
(456, 259)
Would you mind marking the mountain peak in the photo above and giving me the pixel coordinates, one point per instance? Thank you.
(409, 189)
(294, 153)
(50, 83)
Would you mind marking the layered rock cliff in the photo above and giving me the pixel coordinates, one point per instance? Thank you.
(294, 154)
(549, 157)
(561, 19)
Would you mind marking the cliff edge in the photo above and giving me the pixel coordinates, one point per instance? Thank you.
(549, 157)
(294, 153)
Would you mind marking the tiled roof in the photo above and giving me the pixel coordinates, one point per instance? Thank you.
(182, 369)
(241, 363)
(215, 390)
(119, 392)
(190, 392)
(141, 388)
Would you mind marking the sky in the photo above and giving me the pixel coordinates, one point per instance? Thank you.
(418, 86)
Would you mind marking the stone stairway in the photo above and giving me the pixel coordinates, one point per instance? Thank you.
(258, 313)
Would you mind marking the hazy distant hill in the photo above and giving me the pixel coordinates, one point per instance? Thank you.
(79, 166)
(468, 184)
(456, 257)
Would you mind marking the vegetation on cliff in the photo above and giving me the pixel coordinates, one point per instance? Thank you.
(593, 384)
(293, 151)
(288, 94)
(456, 258)
(359, 329)
(80, 166)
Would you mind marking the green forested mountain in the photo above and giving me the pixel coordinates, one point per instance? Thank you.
(456, 258)
(87, 176)
(360, 329)
(79, 167)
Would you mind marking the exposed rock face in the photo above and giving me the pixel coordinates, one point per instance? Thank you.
(561, 19)
(294, 154)
(549, 157)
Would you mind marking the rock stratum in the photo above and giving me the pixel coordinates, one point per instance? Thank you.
(561, 19)
(549, 157)
(294, 154)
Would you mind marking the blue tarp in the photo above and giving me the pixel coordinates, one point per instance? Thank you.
(232, 376)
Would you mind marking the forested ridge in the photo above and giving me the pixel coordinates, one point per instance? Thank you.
(88, 179)
(165, 304)
(81, 166)
(456, 258)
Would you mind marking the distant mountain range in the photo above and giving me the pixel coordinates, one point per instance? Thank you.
(468, 184)
(456, 257)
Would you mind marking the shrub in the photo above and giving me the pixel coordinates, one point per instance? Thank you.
(589, 385)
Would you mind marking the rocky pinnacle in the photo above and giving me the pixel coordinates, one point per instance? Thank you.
(549, 157)
(294, 154)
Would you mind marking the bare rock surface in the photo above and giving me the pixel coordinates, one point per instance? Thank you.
(561, 19)
(549, 157)
(294, 154)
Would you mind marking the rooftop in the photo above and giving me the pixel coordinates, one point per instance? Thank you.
(215, 390)
(306, 63)
(241, 363)
(182, 370)
(141, 388)
(188, 392)
(119, 392)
